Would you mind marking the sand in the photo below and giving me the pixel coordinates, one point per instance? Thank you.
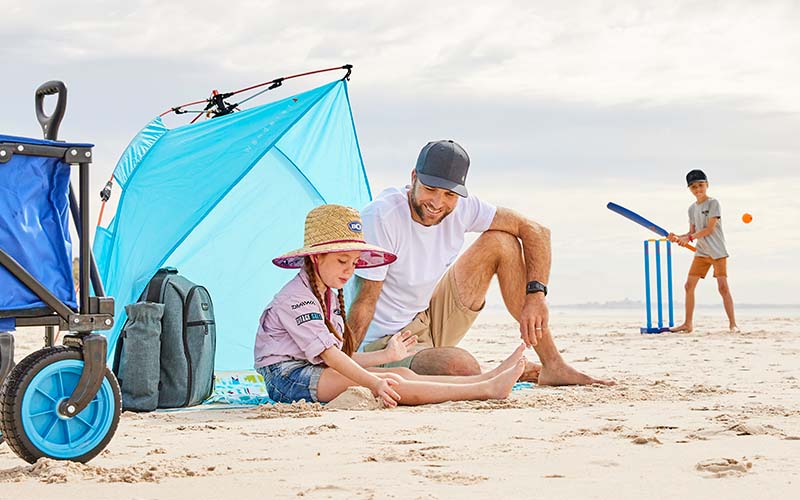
(705, 415)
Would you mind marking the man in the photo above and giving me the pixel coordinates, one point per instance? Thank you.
(424, 224)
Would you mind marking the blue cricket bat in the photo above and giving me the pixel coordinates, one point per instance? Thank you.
(631, 215)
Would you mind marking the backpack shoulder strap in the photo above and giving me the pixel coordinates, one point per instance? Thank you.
(157, 283)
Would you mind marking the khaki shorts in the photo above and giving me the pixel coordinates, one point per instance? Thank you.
(443, 323)
(701, 264)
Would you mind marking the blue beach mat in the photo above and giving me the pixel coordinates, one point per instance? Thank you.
(241, 387)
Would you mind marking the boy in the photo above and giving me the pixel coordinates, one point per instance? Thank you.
(705, 226)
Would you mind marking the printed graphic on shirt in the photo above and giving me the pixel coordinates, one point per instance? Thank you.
(338, 311)
(305, 318)
(303, 303)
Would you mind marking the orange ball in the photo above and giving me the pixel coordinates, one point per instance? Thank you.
(747, 218)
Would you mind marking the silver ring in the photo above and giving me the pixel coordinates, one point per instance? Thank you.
(538, 328)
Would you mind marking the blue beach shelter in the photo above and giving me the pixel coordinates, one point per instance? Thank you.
(218, 199)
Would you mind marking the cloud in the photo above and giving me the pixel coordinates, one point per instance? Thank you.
(585, 52)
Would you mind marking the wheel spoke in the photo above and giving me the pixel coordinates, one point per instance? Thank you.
(61, 384)
(84, 422)
(68, 434)
(39, 414)
(40, 391)
(50, 428)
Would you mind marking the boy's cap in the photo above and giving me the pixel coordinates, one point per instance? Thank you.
(443, 164)
(695, 176)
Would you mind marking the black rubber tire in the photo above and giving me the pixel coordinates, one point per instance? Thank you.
(13, 390)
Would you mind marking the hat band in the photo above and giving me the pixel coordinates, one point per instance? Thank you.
(335, 241)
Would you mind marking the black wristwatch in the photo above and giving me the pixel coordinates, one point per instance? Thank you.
(536, 286)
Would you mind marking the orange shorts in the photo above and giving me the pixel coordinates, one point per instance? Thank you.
(700, 266)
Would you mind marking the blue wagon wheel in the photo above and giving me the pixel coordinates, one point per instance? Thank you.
(29, 401)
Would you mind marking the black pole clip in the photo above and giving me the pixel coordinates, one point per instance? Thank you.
(217, 106)
(276, 83)
(105, 194)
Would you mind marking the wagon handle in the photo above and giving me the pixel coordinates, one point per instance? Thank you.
(51, 123)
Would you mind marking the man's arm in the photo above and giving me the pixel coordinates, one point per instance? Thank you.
(535, 240)
(363, 308)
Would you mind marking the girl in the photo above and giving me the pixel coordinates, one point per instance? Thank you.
(304, 349)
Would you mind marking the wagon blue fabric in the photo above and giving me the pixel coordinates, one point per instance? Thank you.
(34, 217)
(218, 199)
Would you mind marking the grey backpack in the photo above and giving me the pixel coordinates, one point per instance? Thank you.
(166, 349)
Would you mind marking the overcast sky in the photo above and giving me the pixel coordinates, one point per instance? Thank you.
(563, 106)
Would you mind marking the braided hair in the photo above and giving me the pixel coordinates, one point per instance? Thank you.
(348, 345)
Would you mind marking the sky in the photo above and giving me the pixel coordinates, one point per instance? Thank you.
(562, 106)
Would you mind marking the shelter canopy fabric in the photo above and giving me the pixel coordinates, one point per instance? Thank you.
(220, 198)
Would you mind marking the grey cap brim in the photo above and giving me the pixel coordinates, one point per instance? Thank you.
(438, 182)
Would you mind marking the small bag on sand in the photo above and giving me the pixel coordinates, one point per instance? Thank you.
(140, 356)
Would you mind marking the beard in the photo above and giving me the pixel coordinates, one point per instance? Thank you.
(423, 215)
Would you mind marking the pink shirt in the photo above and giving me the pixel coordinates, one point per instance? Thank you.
(292, 325)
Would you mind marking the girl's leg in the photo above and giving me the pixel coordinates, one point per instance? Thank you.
(465, 379)
(417, 392)
(331, 384)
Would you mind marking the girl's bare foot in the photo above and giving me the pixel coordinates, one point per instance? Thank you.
(684, 328)
(506, 364)
(734, 328)
(500, 386)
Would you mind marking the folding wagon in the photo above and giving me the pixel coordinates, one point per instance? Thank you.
(61, 401)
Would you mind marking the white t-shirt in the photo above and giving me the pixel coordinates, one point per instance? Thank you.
(423, 254)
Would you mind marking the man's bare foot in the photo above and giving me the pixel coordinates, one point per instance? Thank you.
(531, 372)
(506, 364)
(563, 374)
(500, 386)
(684, 328)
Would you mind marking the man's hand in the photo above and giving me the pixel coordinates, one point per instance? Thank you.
(382, 388)
(400, 346)
(534, 319)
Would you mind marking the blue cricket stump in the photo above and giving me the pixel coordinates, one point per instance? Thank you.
(659, 300)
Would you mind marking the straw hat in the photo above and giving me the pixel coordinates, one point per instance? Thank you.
(334, 228)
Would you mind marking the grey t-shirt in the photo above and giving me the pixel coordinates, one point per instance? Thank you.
(712, 245)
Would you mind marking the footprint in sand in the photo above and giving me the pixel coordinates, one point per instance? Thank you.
(645, 440)
(333, 491)
(724, 467)
(452, 478)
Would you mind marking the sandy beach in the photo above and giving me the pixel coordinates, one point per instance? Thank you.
(711, 414)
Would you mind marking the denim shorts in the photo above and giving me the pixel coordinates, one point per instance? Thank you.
(293, 380)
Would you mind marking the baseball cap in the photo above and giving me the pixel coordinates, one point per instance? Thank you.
(695, 176)
(443, 164)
